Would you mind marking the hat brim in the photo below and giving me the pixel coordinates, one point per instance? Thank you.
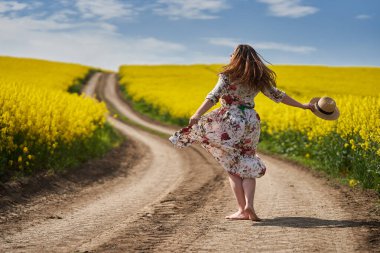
(321, 115)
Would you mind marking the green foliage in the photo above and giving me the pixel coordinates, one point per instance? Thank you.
(327, 153)
(78, 84)
(66, 156)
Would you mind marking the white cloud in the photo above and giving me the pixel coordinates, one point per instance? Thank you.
(33, 24)
(289, 8)
(74, 14)
(66, 3)
(104, 9)
(91, 40)
(363, 16)
(190, 9)
(89, 43)
(65, 15)
(12, 6)
(228, 42)
(232, 43)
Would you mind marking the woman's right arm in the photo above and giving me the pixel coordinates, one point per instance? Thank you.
(205, 106)
(211, 99)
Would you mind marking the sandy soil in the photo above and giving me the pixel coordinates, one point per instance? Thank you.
(148, 196)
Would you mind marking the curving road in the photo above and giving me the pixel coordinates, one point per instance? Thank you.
(176, 200)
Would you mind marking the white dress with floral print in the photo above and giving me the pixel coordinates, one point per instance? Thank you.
(231, 132)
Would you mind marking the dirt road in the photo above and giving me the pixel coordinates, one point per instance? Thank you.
(176, 200)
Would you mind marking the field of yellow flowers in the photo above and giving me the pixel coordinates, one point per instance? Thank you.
(42, 126)
(348, 148)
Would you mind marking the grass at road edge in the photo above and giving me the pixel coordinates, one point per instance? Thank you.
(117, 115)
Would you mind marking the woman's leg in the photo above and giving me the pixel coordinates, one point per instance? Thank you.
(249, 185)
(237, 188)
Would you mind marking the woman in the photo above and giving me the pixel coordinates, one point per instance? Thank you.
(231, 132)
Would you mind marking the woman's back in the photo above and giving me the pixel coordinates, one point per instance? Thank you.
(237, 94)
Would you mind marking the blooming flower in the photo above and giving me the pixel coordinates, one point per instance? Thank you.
(225, 136)
(353, 182)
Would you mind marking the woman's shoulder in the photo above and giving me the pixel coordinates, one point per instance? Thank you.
(224, 77)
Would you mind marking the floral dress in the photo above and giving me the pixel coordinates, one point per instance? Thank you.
(231, 132)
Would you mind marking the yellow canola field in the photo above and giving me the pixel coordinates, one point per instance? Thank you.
(181, 89)
(40, 73)
(36, 111)
(173, 88)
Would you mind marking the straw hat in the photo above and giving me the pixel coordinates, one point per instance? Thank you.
(325, 108)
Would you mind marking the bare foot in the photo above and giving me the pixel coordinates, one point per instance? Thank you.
(251, 214)
(238, 216)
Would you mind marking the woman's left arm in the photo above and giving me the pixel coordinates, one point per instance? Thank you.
(292, 102)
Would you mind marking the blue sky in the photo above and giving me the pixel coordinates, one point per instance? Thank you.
(108, 33)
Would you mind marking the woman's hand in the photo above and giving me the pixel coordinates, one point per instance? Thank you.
(309, 106)
(194, 119)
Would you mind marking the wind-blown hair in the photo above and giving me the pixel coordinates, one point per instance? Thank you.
(247, 68)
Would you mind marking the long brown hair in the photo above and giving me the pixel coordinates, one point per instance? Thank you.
(247, 68)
